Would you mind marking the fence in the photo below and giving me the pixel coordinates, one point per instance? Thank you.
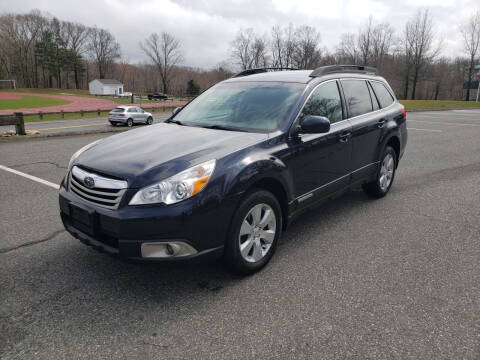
(15, 119)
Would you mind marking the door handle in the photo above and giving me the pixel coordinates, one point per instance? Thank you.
(381, 123)
(344, 137)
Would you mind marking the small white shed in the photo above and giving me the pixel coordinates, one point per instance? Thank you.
(105, 87)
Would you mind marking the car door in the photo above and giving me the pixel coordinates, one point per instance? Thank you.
(320, 163)
(132, 112)
(366, 120)
(141, 115)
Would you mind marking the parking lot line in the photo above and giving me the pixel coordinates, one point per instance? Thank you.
(431, 130)
(31, 177)
(442, 123)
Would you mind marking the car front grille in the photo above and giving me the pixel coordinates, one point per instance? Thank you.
(99, 190)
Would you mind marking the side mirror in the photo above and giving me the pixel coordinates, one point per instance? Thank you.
(176, 110)
(315, 125)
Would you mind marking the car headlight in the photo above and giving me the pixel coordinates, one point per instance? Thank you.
(78, 152)
(176, 188)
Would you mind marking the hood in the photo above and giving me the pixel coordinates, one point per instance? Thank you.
(153, 153)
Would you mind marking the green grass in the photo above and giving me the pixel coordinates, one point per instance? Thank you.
(75, 92)
(67, 116)
(30, 102)
(437, 104)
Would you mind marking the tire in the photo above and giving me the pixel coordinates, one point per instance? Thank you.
(385, 175)
(149, 120)
(250, 245)
(113, 123)
(129, 122)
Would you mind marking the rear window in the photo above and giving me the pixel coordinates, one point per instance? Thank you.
(118, 110)
(357, 97)
(383, 94)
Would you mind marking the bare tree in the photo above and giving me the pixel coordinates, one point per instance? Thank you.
(307, 54)
(282, 46)
(249, 50)
(164, 51)
(382, 39)
(347, 51)
(365, 42)
(103, 48)
(419, 38)
(471, 40)
(76, 38)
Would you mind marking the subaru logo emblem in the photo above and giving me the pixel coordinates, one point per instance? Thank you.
(89, 182)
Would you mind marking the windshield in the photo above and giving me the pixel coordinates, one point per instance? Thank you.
(119, 110)
(244, 106)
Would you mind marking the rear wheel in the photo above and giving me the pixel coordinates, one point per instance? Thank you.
(385, 175)
(149, 120)
(253, 237)
(129, 122)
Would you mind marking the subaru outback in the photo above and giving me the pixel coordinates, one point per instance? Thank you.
(227, 173)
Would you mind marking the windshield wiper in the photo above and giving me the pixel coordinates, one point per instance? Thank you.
(172, 121)
(221, 127)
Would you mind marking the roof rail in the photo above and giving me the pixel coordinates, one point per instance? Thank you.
(261, 70)
(323, 70)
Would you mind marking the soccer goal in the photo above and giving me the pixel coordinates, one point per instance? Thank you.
(7, 84)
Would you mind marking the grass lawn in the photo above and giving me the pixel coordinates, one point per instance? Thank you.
(437, 104)
(50, 91)
(30, 102)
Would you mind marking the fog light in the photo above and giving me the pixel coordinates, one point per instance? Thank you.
(167, 249)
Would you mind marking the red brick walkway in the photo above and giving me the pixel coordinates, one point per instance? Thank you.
(76, 104)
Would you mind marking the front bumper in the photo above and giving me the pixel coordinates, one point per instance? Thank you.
(198, 223)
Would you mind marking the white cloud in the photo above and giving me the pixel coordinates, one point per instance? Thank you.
(206, 27)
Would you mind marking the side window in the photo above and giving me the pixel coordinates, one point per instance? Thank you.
(383, 94)
(375, 104)
(139, 110)
(132, 110)
(324, 101)
(357, 97)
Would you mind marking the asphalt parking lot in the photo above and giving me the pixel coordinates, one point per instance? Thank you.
(395, 278)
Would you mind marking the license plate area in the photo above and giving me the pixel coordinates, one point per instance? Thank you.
(83, 218)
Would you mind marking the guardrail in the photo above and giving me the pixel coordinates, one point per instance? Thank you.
(15, 119)
(82, 113)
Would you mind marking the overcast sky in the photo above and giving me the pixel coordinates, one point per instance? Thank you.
(206, 28)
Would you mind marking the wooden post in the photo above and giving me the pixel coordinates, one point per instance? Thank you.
(81, 113)
(98, 112)
(20, 126)
(40, 115)
(62, 114)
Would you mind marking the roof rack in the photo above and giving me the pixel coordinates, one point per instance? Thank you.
(261, 70)
(323, 70)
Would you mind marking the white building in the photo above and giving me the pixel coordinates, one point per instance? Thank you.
(105, 87)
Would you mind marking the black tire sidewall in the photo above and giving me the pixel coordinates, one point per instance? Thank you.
(129, 122)
(149, 120)
(233, 256)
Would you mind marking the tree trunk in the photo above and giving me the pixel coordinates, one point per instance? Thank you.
(414, 86)
(469, 83)
(405, 89)
(75, 70)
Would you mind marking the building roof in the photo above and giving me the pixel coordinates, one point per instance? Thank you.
(108, 81)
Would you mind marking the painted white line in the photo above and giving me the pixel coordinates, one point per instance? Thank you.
(442, 123)
(432, 130)
(31, 177)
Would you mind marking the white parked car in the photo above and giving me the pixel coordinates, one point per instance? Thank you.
(125, 94)
(129, 115)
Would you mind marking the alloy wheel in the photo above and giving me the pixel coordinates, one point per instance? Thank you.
(257, 232)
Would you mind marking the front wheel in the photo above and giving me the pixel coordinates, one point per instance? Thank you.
(385, 175)
(129, 122)
(149, 120)
(254, 234)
